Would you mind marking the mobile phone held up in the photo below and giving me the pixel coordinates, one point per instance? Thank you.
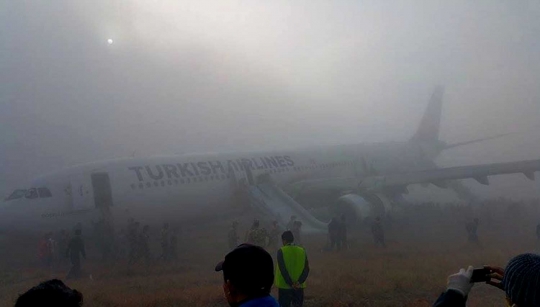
(480, 275)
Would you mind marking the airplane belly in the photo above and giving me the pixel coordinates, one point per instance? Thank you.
(171, 202)
(39, 216)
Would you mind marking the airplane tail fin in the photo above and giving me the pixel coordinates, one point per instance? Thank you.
(428, 131)
(448, 146)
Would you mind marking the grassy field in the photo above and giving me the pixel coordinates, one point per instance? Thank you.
(424, 247)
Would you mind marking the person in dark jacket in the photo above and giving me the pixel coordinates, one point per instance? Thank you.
(273, 235)
(74, 251)
(165, 242)
(519, 280)
(248, 274)
(174, 244)
(144, 244)
(342, 235)
(333, 234)
(377, 231)
(472, 231)
(233, 236)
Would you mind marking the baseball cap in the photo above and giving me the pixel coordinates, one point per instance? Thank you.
(250, 268)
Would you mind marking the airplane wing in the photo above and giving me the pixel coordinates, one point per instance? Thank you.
(436, 176)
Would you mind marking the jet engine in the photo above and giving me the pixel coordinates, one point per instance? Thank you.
(361, 208)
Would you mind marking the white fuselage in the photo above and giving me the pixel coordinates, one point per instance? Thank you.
(188, 186)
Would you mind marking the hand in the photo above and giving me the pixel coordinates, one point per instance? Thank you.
(497, 274)
(296, 286)
(461, 281)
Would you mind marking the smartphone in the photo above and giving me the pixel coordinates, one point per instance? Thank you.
(480, 275)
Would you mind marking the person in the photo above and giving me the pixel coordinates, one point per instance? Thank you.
(333, 234)
(44, 254)
(63, 240)
(50, 293)
(173, 250)
(233, 236)
(121, 246)
(74, 251)
(378, 233)
(248, 274)
(291, 222)
(165, 241)
(98, 236)
(256, 235)
(342, 233)
(52, 249)
(519, 280)
(472, 229)
(144, 244)
(109, 242)
(104, 238)
(273, 235)
(297, 232)
(291, 272)
(133, 238)
(78, 226)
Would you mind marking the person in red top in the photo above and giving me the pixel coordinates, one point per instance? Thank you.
(44, 252)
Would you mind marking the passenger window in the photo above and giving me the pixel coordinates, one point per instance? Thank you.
(16, 194)
(32, 193)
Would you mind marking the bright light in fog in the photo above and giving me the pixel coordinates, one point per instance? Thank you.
(110, 41)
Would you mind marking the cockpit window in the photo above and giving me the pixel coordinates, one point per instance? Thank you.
(19, 193)
(31, 193)
(44, 193)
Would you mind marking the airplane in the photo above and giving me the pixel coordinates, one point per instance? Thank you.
(369, 177)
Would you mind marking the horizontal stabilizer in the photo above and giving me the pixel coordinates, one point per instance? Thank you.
(483, 180)
(440, 184)
(475, 141)
(530, 175)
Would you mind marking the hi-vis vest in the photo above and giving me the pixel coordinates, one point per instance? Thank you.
(295, 262)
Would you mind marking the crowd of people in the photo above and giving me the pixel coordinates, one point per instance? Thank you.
(249, 274)
(249, 270)
(260, 236)
(337, 233)
(131, 244)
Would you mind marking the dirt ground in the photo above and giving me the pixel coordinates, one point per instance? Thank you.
(425, 245)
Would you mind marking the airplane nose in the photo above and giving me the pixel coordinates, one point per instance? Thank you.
(9, 215)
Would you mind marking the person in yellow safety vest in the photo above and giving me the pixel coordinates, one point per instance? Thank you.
(291, 272)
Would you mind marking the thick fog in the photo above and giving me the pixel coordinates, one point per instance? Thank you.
(198, 76)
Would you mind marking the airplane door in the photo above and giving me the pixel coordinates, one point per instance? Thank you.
(239, 178)
(102, 190)
(81, 192)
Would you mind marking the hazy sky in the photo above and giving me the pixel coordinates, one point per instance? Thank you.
(195, 76)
